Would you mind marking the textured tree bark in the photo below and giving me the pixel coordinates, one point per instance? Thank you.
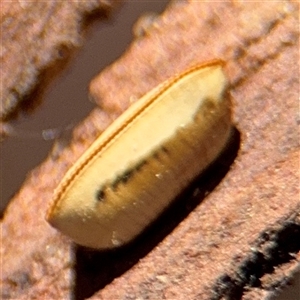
(241, 241)
(35, 36)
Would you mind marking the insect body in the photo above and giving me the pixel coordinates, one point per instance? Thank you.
(135, 168)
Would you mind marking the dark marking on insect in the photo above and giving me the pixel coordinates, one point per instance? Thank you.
(100, 195)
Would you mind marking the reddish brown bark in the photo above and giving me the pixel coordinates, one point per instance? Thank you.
(242, 240)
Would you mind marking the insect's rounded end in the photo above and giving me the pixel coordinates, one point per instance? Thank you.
(86, 226)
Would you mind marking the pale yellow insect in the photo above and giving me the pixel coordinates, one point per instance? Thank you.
(135, 168)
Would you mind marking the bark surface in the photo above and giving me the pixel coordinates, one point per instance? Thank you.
(241, 241)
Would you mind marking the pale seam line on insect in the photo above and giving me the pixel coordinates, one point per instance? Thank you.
(117, 131)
